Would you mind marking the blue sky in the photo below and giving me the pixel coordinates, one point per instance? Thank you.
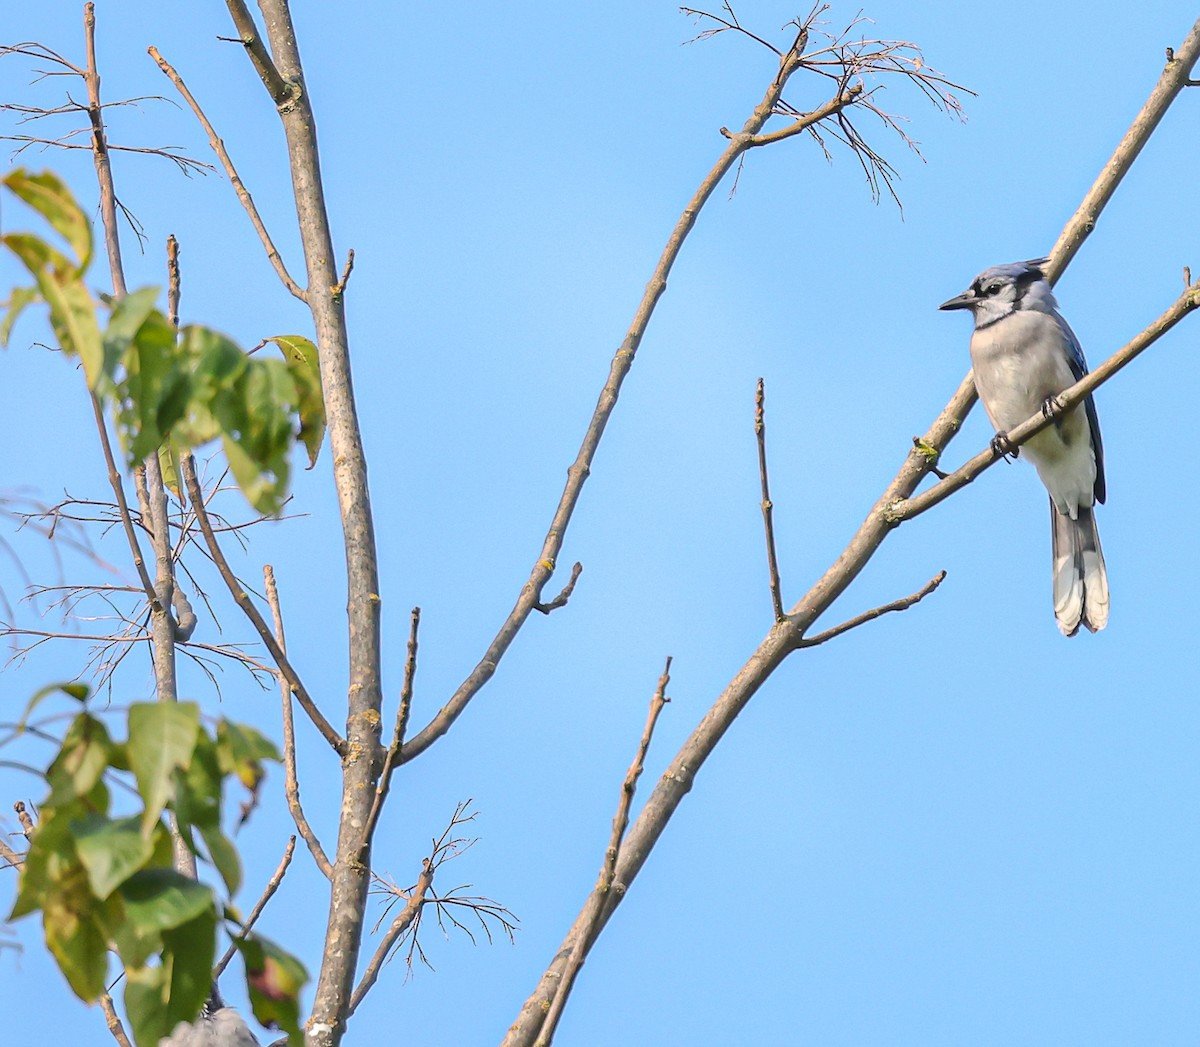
(952, 826)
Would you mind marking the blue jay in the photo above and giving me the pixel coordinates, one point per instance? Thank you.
(217, 1026)
(1024, 354)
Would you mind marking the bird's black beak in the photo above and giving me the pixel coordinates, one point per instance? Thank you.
(966, 300)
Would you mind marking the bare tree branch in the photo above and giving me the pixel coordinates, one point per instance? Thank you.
(393, 754)
(283, 77)
(760, 433)
(277, 87)
(579, 471)
(268, 891)
(338, 744)
(903, 604)
(112, 1021)
(239, 187)
(561, 599)
(291, 784)
(606, 880)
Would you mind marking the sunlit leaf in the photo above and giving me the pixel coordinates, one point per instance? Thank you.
(20, 297)
(82, 758)
(78, 941)
(162, 737)
(73, 689)
(304, 364)
(111, 850)
(48, 194)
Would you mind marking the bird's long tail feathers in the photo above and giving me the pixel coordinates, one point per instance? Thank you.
(1080, 580)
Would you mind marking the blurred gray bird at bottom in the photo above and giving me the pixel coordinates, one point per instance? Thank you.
(217, 1026)
(1024, 354)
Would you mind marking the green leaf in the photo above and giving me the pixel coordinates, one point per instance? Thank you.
(128, 317)
(241, 750)
(162, 737)
(48, 194)
(145, 1004)
(305, 368)
(262, 489)
(72, 311)
(77, 939)
(111, 850)
(50, 860)
(198, 804)
(158, 900)
(20, 297)
(274, 978)
(81, 760)
(189, 952)
(168, 463)
(224, 856)
(36, 254)
(74, 689)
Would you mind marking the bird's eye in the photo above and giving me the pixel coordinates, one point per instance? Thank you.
(991, 289)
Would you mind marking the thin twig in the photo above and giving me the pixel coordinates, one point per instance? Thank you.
(291, 784)
(236, 590)
(619, 369)
(339, 289)
(278, 88)
(561, 599)
(403, 921)
(14, 858)
(173, 281)
(393, 753)
(605, 883)
(760, 433)
(272, 886)
(239, 187)
(903, 604)
(113, 1021)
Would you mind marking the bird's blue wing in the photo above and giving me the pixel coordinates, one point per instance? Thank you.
(1079, 368)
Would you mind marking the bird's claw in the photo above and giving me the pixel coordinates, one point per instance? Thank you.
(1002, 447)
(1051, 406)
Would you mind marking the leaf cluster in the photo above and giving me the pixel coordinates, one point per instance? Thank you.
(170, 391)
(105, 880)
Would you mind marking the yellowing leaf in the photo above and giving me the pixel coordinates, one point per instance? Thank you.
(49, 195)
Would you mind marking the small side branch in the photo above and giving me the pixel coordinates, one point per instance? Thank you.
(336, 742)
(561, 599)
(291, 781)
(393, 754)
(339, 289)
(239, 187)
(760, 433)
(113, 1021)
(248, 36)
(605, 882)
(902, 604)
(272, 886)
(416, 899)
(804, 121)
